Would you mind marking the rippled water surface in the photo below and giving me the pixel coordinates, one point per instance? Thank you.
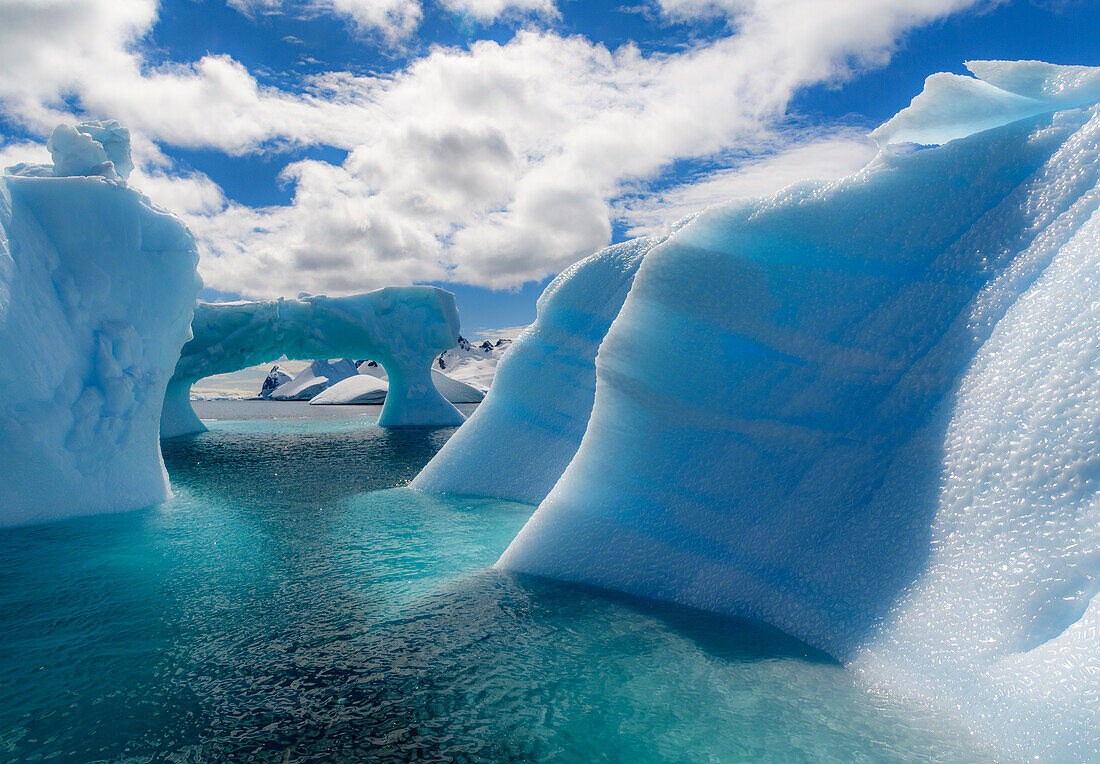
(294, 603)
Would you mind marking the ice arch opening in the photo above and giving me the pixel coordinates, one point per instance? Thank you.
(402, 328)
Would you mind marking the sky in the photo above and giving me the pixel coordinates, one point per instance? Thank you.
(337, 146)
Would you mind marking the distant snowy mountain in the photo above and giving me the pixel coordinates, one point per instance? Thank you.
(275, 378)
(313, 379)
(476, 365)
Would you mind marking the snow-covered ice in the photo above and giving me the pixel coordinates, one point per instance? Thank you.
(456, 391)
(371, 388)
(360, 389)
(97, 286)
(883, 436)
(403, 328)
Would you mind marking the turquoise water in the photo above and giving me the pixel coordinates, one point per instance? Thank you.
(293, 603)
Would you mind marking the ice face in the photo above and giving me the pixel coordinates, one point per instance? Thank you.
(97, 287)
(403, 328)
(456, 391)
(875, 425)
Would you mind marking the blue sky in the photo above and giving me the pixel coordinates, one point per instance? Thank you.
(481, 145)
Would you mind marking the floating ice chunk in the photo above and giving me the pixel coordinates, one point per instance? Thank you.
(365, 388)
(455, 390)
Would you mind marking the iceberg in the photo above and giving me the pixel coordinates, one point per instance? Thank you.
(403, 328)
(362, 389)
(371, 388)
(97, 287)
(883, 439)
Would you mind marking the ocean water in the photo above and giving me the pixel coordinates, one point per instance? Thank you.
(293, 602)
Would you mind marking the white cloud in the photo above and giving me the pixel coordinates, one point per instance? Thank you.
(491, 10)
(493, 166)
(822, 157)
(393, 19)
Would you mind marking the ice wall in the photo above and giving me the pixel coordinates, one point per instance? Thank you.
(520, 439)
(403, 328)
(882, 436)
(96, 291)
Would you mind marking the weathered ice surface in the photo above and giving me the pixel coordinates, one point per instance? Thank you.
(97, 286)
(877, 422)
(403, 328)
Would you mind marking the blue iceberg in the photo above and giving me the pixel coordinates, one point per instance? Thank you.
(876, 425)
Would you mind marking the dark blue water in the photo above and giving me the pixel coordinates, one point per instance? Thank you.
(294, 603)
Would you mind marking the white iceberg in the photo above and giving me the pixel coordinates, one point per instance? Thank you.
(883, 438)
(455, 390)
(370, 387)
(362, 389)
(403, 328)
(97, 288)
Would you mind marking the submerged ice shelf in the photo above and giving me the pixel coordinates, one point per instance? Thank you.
(881, 437)
(403, 328)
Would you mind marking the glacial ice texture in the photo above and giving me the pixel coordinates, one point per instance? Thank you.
(875, 424)
(403, 328)
(97, 286)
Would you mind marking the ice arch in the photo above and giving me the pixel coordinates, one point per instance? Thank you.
(403, 328)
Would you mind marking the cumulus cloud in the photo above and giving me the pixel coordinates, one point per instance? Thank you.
(491, 165)
(491, 10)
